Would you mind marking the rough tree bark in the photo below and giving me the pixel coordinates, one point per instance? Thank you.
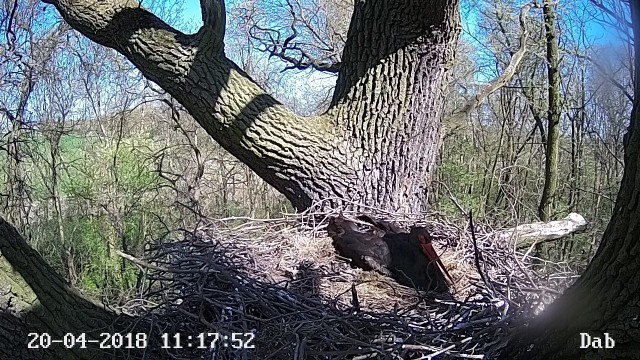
(388, 96)
(377, 143)
(606, 298)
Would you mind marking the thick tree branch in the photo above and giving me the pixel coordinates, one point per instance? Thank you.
(214, 19)
(297, 156)
(364, 151)
(133, 31)
(530, 234)
(33, 298)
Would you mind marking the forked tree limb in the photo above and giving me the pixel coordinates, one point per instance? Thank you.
(214, 19)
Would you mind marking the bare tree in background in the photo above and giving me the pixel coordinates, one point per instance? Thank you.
(545, 210)
(606, 297)
(20, 74)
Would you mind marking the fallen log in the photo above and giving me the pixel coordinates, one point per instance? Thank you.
(526, 235)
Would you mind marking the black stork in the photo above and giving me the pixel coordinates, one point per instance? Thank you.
(367, 251)
(408, 257)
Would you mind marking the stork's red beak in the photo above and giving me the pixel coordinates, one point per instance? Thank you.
(430, 253)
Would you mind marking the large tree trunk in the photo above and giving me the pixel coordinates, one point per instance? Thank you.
(606, 298)
(375, 146)
(389, 96)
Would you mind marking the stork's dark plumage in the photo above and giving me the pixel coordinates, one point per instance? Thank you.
(408, 257)
(381, 224)
(366, 250)
(415, 262)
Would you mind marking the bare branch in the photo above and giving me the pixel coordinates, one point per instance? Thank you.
(508, 73)
(297, 50)
(530, 234)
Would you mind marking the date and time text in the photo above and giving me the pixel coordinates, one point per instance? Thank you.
(208, 340)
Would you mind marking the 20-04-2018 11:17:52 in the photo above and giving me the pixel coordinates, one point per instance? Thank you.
(208, 340)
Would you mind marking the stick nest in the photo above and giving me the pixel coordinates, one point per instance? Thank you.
(279, 281)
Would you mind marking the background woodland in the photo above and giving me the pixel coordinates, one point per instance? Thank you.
(96, 159)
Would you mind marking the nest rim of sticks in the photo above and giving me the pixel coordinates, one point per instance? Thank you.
(278, 280)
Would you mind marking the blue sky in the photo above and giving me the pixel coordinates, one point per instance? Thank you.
(580, 10)
(192, 11)
(191, 14)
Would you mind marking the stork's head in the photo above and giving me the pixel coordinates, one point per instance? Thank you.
(422, 234)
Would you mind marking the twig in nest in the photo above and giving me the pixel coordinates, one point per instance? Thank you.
(354, 298)
(476, 257)
(145, 264)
